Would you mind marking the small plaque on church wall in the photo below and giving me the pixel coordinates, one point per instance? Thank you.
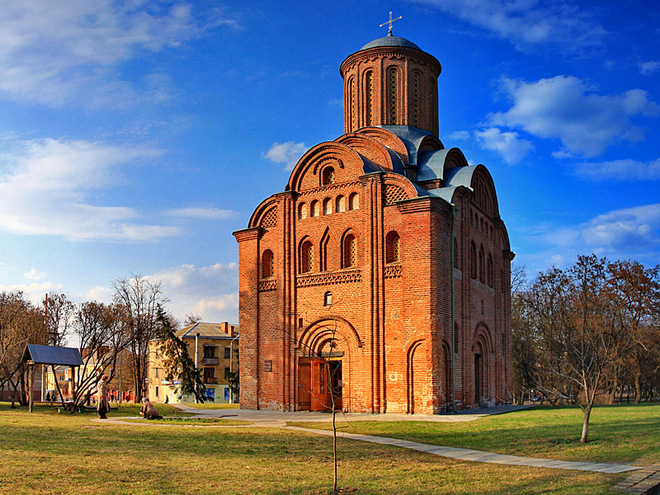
(268, 365)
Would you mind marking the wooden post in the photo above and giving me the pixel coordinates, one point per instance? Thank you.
(73, 387)
(30, 385)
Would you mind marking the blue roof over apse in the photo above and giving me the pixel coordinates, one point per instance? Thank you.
(391, 41)
(45, 354)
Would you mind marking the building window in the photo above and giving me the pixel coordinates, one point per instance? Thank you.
(227, 352)
(473, 260)
(324, 253)
(489, 270)
(349, 254)
(327, 206)
(353, 201)
(327, 299)
(209, 351)
(156, 391)
(227, 373)
(306, 257)
(415, 116)
(328, 176)
(302, 211)
(482, 266)
(267, 264)
(392, 247)
(209, 375)
(369, 86)
(156, 370)
(392, 79)
(341, 204)
(314, 209)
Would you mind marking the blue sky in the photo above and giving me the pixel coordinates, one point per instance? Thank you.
(136, 136)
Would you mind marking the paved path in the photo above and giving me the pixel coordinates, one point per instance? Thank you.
(272, 419)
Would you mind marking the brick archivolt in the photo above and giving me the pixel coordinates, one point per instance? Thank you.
(335, 327)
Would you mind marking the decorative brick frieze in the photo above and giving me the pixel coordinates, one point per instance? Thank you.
(268, 285)
(331, 278)
(393, 271)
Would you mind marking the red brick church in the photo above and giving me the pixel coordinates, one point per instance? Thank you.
(381, 275)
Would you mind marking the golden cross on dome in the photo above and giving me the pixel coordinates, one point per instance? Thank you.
(390, 23)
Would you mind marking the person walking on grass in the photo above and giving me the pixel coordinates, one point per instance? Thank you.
(102, 404)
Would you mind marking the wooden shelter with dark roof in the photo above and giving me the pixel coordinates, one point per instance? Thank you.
(49, 355)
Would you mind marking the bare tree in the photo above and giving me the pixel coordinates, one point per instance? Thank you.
(58, 312)
(578, 339)
(141, 298)
(633, 294)
(20, 324)
(103, 334)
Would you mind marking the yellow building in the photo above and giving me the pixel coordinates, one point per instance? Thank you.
(214, 349)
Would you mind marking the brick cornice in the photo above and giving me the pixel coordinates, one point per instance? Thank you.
(249, 234)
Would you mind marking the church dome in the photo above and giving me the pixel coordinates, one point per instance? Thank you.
(391, 41)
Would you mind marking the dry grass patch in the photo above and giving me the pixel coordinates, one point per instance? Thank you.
(52, 453)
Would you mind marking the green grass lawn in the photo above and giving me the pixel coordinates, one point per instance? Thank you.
(51, 453)
(620, 434)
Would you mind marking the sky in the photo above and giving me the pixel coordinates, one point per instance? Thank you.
(136, 136)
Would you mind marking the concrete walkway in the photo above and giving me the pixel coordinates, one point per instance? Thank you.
(273, 419)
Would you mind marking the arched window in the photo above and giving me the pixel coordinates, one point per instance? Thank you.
(473, 260)
(353, 201)
(349, 252)
(482, 266)
(327, 206)
(314, 208)
(325, 241)
(267, 264)
(392, 247)
(351, 103)
(416, 98)
(328, 176)
(489, 270)
(306, 257)
(327, 299)
(392, 89)
(302, 211)
(369, 90)
(341, 204)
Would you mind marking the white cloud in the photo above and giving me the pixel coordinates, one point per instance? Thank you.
(508, 144)
(210, 291)
(620, 170)
(45, 186)
(71, 51)
(649, 67)
(34, 291)
(288, 153)
(627, 231)
(33, 274)
(100, 294)
(459, 135)
(568, 109)
(202, 213)
(528, 22)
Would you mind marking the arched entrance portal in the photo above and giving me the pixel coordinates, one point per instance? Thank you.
(481, 349)
(324, 357)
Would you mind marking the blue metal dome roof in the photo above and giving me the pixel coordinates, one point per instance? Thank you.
(391, 41)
